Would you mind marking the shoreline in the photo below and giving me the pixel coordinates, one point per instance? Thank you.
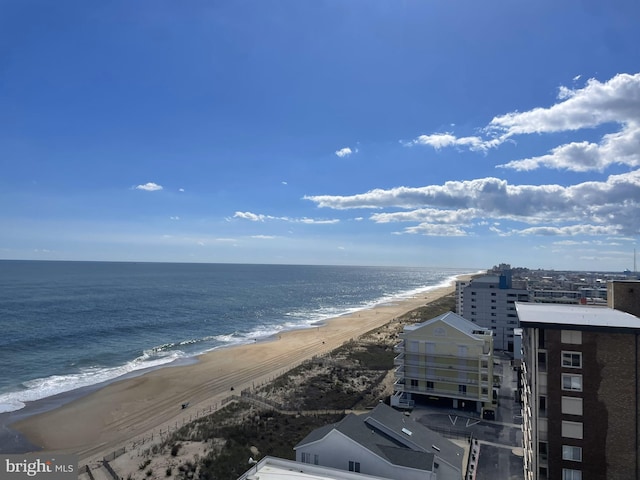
(95, 423)
(67, 391)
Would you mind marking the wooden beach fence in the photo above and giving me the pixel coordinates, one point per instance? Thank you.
(246, 394)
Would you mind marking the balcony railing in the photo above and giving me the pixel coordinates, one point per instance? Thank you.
(441, 392)
(400, 373)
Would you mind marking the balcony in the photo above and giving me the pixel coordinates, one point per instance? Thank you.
(401, 373)
(440, 362)
(400, 386)
(399, 360)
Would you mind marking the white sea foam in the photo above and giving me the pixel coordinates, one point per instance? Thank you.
(40, 388)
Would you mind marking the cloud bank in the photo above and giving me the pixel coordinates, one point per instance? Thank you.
(604, 206)
(610, 207)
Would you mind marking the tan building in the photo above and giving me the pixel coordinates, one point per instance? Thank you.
(446, 358)
(624, 295)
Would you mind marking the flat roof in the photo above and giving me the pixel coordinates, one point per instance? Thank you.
(578, 315)
(274, 468)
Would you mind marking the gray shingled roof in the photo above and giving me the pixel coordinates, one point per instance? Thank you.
(381, 432)
(453, 319)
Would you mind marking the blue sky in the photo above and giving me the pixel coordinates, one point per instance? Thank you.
(430, 133)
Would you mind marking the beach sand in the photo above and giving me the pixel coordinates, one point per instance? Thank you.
(126, 411)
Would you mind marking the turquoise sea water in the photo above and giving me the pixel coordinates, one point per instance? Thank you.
(66, 325)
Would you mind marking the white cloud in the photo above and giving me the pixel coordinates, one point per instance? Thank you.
(570, 230)
(181, 189)
(344, 152)
(251, 216)
(174, 218)
(616, 101)
(613, 206)
(621, 147)
(254, 217)
(442, 140)
(310, 221)
(430, 215)
(149, 187)
(432, 230)
(263, 237)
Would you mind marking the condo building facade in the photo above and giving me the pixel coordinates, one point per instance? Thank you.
(446, 358)
(489, 301)
(580, 392)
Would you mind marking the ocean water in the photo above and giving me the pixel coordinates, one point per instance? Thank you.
(66, 325)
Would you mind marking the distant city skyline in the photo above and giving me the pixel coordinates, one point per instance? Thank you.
(442, 134)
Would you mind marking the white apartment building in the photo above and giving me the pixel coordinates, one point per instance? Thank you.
(489, 301)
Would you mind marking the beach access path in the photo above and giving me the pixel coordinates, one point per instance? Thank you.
(125, 412)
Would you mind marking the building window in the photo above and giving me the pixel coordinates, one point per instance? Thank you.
(569, 452)
(542, 361)
(316, 459)
(572, 405)
(568, 474)
(572, 430)
(414, 383)
(462, 389)
(306, 457)
(572, 359)
(543, 450)
(540, 338)
(354, 466)
(571, 336)
(572, 382)
(542, 404)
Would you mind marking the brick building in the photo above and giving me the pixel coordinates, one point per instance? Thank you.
(581, 392)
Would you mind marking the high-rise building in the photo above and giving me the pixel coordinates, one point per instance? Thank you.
(580, 392)
(489, 301)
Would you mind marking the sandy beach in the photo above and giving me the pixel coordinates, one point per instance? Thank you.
(124, 411)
